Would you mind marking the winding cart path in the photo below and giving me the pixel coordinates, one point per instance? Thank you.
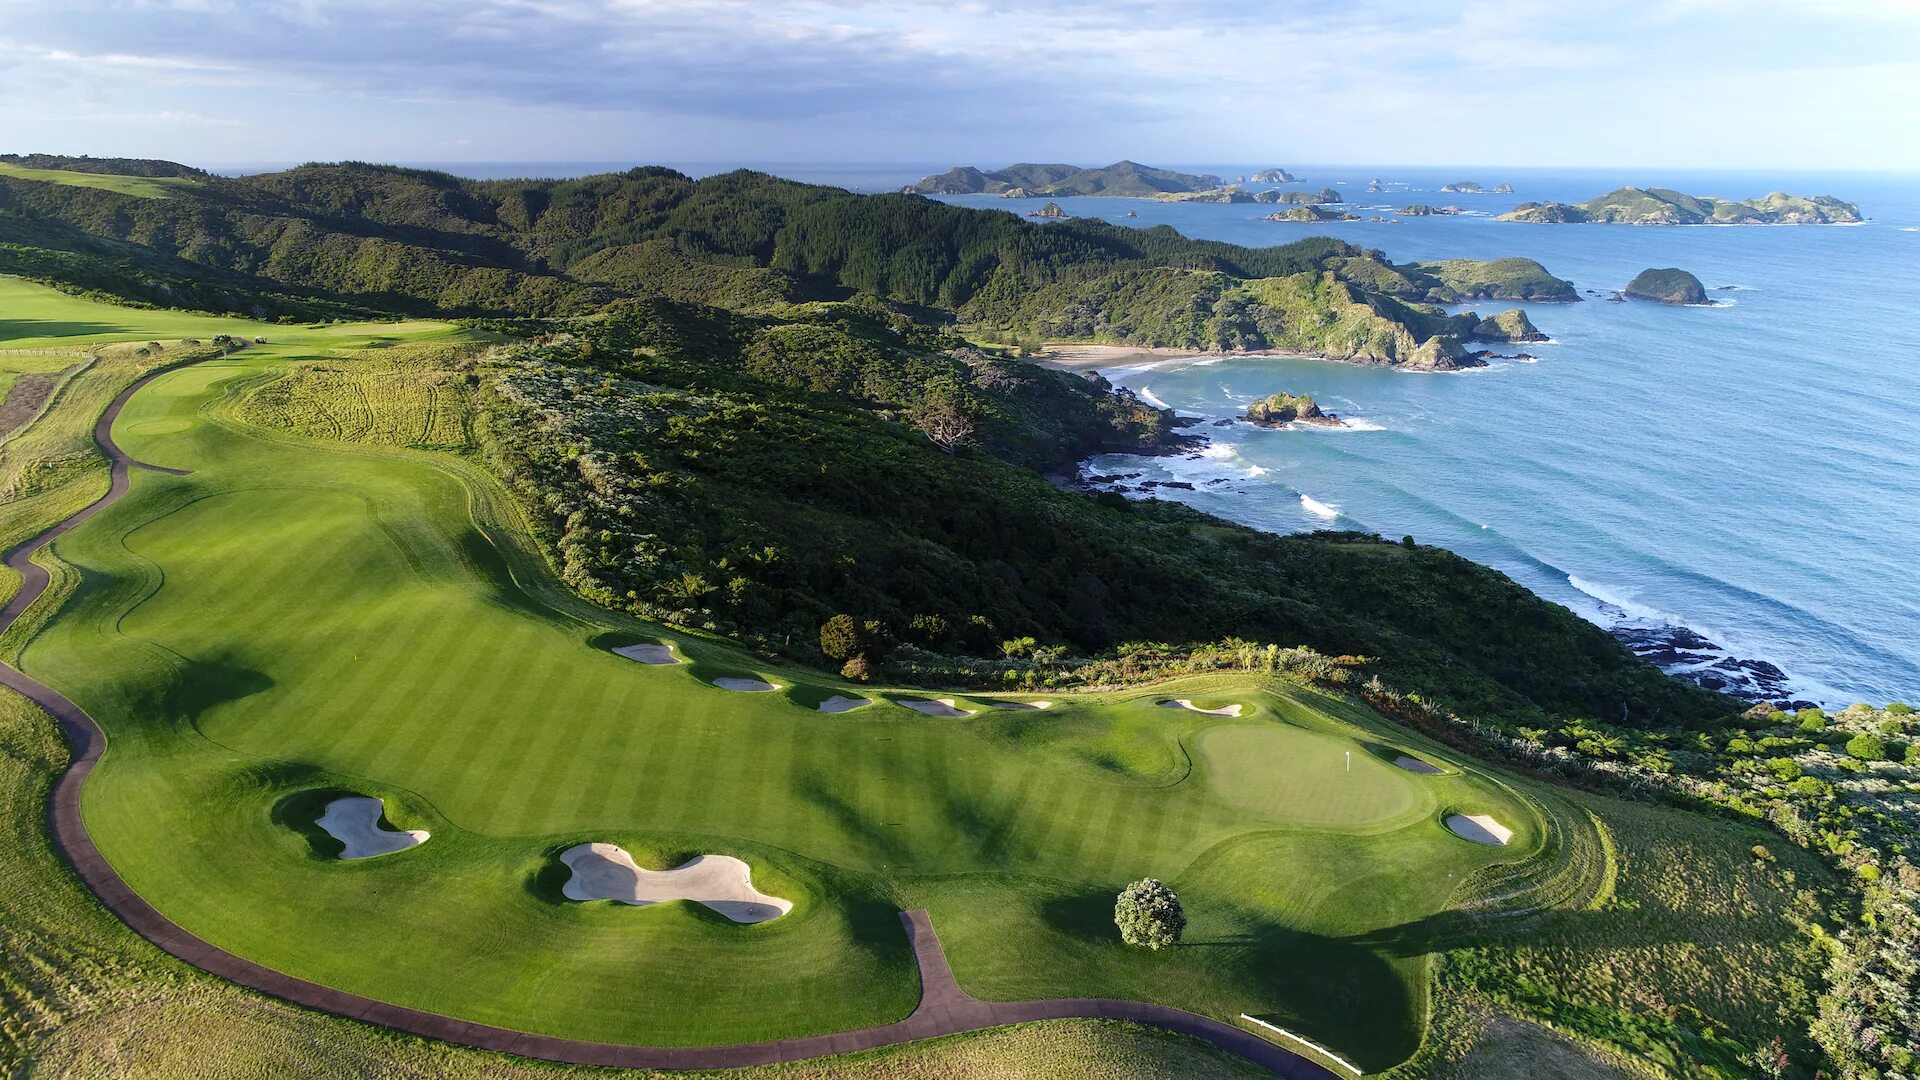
(944, 1009)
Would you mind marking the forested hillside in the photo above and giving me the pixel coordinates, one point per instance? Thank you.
(366, 236)
(751, 405)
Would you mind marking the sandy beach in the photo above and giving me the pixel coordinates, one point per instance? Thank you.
(1073, 356)
(1077, 356)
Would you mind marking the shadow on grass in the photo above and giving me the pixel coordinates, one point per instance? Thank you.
(301, 812)
(201, 685)
(1352, 995)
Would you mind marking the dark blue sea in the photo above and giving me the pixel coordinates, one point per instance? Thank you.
(1750, 471)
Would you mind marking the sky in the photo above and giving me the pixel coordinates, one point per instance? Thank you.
(1816, 84)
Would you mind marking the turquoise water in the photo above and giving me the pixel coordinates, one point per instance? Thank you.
(1750, 471)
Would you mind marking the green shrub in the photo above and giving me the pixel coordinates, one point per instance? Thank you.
(840, 638)
(1867, 747)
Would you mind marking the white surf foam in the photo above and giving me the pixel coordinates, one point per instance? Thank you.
(1317, 508)
(1626, 605)
(1147, 395)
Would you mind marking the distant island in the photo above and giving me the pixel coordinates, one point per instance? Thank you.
(1311, 213)
(1427, 210)
(1051, 210)
(1278, 410)
(1122, 179)
(1664, 206)
(1670, 285)
(1472, 187)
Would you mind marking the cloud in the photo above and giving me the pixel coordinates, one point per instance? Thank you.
(1247, 78)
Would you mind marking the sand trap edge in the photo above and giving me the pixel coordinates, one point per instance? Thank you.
(601, 871)
(1187, 704)
(1479, 828)
(1415, 765)
(354, 820)
(648, 653)
(948, 707)
(745, 686)
(840, 703)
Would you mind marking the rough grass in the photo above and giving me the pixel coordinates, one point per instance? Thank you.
(140, 187)
(408, 395)
(1699, 956)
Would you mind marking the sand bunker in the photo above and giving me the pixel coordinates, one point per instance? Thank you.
(355, 822)
(837, 703)
(745, 686)
(721, 882)
(1478, 828)
(945, 706)
(1021, 705)
(1414, 764)
(1183, 703)
(648, 654)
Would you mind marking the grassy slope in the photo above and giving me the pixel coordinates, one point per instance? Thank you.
(370, 642)
(81, 982)
(140, 187)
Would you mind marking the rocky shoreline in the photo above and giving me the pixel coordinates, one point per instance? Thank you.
(1690, 657)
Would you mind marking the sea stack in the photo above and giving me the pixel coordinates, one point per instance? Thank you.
(1671, 285)
(1276, 410)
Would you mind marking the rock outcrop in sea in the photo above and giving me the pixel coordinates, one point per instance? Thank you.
(1282, 408)
(1670, 285)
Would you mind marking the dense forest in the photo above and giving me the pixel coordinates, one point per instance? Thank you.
(358, 236)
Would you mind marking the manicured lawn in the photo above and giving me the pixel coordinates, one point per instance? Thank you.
(33, 316)
(144, 187)
(294, 618)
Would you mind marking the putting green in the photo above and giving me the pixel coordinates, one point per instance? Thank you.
(295, 620)
(1289, 774)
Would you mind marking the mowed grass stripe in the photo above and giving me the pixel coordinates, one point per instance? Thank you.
(553, 765)
(404, 662)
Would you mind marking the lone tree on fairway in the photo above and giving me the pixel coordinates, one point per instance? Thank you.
(1148, 913)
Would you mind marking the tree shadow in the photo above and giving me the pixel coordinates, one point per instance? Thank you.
(201, 685)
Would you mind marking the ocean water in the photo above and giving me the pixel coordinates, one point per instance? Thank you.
(1750, 471)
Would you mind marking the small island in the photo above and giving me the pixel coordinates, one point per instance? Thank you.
(1272, 176)
(1427, 210)
(1281, 409)
(1051, 210)
(1664, 206)
(1510, 325)
(1125, 179)
(1312, 213)
(1300, 198)
(1670, 285)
